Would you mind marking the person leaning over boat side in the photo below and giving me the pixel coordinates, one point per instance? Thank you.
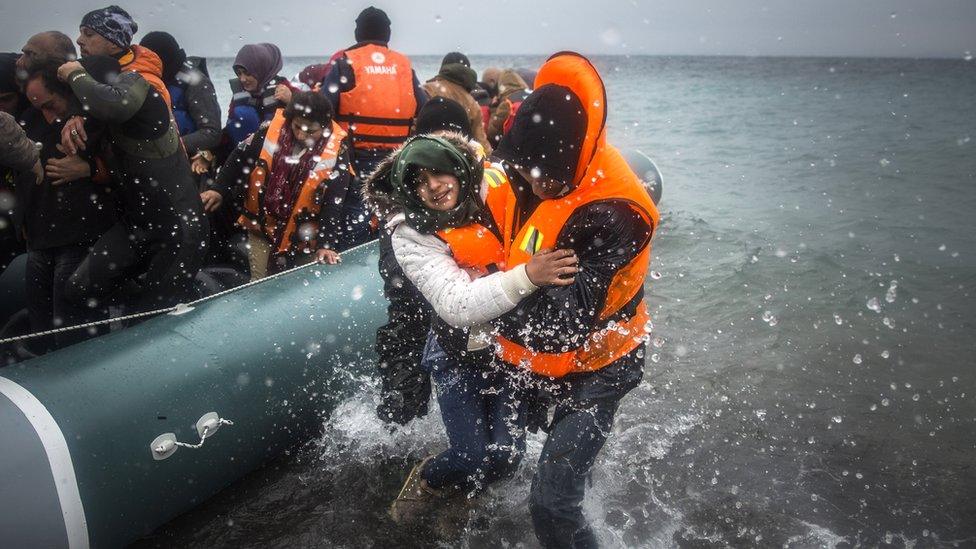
(376, 95)
(109, 31)
(293, 175)
(586, 341)
(405, 386)
(161, 238)
(447, 239)
(456, 81)
(60, 218)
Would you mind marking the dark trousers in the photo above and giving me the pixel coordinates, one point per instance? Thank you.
(400, 343)
(484, 415)
(46, 278)
(587, 403)
(119, 256)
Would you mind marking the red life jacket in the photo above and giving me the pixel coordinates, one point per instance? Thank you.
(378, 112)
(514, 101)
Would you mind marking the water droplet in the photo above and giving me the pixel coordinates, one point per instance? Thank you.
(357, 293)
(857, 359)
(837, 419)
(874, 305)
(838, 320)
(438, 18)
(655, 275)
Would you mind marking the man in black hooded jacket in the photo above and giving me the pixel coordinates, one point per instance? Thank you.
(557, 149)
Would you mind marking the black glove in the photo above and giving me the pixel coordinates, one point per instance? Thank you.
(408, 400)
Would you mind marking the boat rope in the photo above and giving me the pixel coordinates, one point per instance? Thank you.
(203, 435)
(177, 309)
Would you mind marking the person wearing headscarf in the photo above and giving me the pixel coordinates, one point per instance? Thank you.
(258, 90)
(446, 236)
(292, 176)
(376, 96)
(162, 232)
(456, 81)
(109, 31)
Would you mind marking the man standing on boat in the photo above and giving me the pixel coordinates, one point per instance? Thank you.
(376, 96)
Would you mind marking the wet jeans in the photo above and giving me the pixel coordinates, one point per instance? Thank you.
(47, 275)
(484, 415)
(586, 405)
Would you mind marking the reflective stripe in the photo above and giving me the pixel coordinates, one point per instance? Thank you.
(532, 242)
(354, 119)
(59, 459)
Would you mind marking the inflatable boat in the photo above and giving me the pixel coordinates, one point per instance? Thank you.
(104, 441)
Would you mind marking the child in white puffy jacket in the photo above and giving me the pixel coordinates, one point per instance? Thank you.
(447, 242)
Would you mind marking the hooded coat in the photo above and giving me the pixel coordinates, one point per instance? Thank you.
(448, 84)
(426, 260)
(509, 83)
(607, 235)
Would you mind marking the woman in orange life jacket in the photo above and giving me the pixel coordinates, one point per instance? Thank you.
(584, 341)
(292, 176)
(446, 237)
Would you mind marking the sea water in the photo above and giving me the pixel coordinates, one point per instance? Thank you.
(810, 380)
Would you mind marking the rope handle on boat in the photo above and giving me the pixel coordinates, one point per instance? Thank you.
(178, 309)
(203, 436)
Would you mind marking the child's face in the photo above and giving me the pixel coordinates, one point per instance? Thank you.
(438, 191)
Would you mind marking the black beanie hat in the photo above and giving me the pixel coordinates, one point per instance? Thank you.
(440, 114)
(460, 75)
(102, 68)
(547, 134)
(456, 57)
(112, 23)
(165, 46)
(372, 25)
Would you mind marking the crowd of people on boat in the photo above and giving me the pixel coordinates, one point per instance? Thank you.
(514, 239)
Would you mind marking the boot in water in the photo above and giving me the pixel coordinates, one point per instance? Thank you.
(416, 498)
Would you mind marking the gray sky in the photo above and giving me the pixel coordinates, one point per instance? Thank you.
(890, 28)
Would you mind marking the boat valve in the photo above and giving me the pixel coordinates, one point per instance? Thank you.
(166, 444)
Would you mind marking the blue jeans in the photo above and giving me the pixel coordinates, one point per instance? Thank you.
(586, 405)
(484, 415)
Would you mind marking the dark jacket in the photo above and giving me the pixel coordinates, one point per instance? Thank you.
(157, 190)
(195, 100)
(233, 177)
(72, 213)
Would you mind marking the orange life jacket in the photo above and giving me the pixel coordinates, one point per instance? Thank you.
(602, 174)
(145, 62)
(378, 112)
(476, 246)
(304, 214)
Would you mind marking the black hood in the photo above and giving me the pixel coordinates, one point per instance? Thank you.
(547, 133)
(165, 46)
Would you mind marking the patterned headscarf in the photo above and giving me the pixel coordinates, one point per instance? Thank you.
(112, 23)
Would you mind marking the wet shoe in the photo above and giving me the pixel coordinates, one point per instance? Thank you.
(416, 497)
